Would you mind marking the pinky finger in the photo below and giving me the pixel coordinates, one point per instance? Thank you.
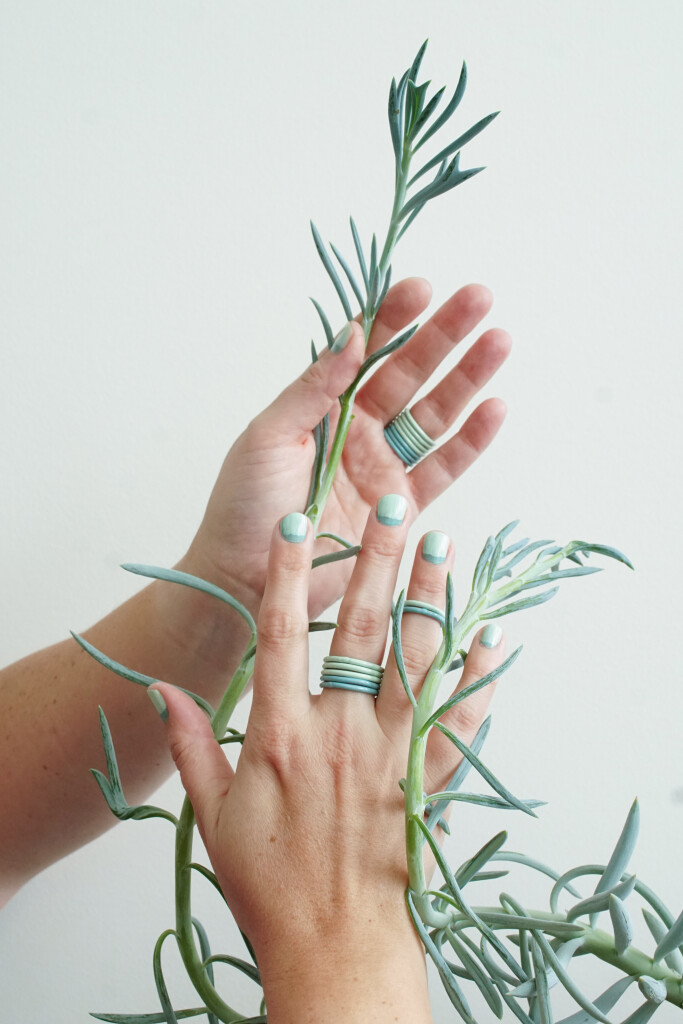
(464, 719)
(436, 473)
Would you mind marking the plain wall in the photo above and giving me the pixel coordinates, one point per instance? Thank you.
(161, 161)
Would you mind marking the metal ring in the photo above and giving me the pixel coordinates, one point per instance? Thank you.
(407, 438)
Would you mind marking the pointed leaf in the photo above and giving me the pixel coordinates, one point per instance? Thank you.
(334, 276)
(185, 579)
(469, 869)
(396, 622)
(147, 1018)
(487, 775)
(394, 126)
(600, 549)
(518, 606)
(595, 904)
(658, 930)
(329, 335)
(382, 353)
(162, 991)
(134, 677)
(360, 254)
(604, 1002)
(621, 854)
(352, 281)
(621, 924)
(542, 993)
(449, 110)
(462, 770)
(240, 965)
(428, 111)
(453, 990)
(463, 694)
(671, 941)
(476, 974)
(456, 145)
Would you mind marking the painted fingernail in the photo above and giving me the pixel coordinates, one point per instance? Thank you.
(435, 547)
(391, 509)
(491, 635)
(158, 702)
(342, 338)
(293, 527)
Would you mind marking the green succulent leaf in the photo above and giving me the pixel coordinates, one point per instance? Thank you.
(336, 556)
(475, 973)
(621, 854)
(185, 579)
(352, 281)
(329, 335)
(147, 1018)
(396, 622)
(463, 694)
(162, 991)
(233, 961)
(332, 273)
(448, 110)
(604, 1002)
(471, 867)
(600, 901)
(671, 941)
(359, 253)
(658, 930)
(453, 990)
(621, 924)
(487, 775)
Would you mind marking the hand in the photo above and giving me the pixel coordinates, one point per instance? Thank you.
(268, 470)
(307, 836)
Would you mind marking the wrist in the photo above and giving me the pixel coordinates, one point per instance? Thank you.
(208, 635)
(377, 975)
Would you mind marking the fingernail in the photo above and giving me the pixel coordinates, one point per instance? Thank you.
(491, 635)
(294, 527)
(435, 547)
(391, 509)
(342, 338)
(158, 702)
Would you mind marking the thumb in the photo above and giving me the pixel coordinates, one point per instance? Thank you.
(303, 404)
(204, 769)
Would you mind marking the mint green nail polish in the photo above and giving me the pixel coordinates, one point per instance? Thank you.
(391, 509)
(293, 527)
(491, 636)
(158, 702)
(339, 343)
(435, 547)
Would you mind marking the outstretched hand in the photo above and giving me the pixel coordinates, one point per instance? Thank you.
(307, 835)
(268, 470)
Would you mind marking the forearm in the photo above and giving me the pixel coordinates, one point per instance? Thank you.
(49, 802)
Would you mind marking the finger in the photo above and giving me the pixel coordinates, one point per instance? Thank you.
(436, 473)
(421, 635)
(281, 665)
(403, 303)
(204, 769)
(363, 618)
(486, 653)
(438, 411)
(392, 387)
(303, 404)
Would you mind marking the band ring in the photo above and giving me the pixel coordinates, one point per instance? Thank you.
(407, 438)
(343, 673)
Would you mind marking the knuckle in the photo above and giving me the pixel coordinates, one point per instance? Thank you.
(280, 627)
(363, 622)
(464, 719)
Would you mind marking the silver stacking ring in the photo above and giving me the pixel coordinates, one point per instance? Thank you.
(407, 438)
(342, 673)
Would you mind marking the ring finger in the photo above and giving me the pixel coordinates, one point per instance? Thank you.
(421, 630)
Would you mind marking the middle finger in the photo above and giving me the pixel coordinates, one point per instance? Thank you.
(365, 611)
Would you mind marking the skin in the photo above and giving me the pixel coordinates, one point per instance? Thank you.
(49, 804)
(323, 771)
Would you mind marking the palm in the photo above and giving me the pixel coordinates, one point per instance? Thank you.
(267, 472)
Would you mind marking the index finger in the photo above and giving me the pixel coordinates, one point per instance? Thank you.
(281, 665)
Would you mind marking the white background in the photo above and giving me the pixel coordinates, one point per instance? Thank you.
(160, 164)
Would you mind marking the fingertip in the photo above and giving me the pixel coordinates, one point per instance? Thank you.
(490, 636)
(480, 296)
